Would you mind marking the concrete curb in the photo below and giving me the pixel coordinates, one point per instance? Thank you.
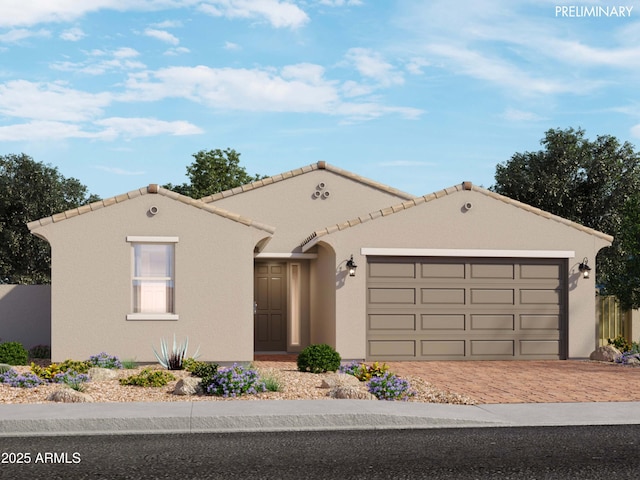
(289, 415)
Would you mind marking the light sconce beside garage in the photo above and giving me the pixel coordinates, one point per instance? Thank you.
(584, 267)
(351, 266)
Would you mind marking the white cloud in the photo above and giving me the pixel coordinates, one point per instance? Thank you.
(340, 3)
(72, 34)
(126, 52)
(416, 64)
(280, 14)
(50, 101)
(162, 35)
(635, 131)
(515, 115)
(20, 34)
(232, 46)
(99, 62)
(120, 171)
(177, 51)
(144, 127)
(168, 24)
(370, 64)
(42, 130)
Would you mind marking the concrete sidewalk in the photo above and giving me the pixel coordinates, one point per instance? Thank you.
(274, 415)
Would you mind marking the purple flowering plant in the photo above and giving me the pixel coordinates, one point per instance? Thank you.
(104, 360)
(388, 386)
(234, 381)
(22, 380)
(72, 378)
(628, 358)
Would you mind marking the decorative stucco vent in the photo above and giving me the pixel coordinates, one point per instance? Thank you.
(321, 191)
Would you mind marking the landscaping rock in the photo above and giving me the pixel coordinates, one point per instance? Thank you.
(607, 353)
(351, 392)
(188, 386)
(340, 380)
(100, 374)
(68, 395)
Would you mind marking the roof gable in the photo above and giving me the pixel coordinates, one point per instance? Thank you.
(316, 235)
(301, 171)
(151, 189)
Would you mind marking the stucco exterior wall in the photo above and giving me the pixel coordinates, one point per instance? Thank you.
(323, 297)
(92, 292)
(291, 206)
(25, 314)
(444, 224)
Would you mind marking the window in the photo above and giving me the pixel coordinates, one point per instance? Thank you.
(153, 279)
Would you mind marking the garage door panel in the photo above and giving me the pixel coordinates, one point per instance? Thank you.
(540, 296)
(539, 322)
(442, 270)
(492, 322)
(392, 348)
(483, 309)
(392, 295)
(392, 322)
(438, 348)
(436, 296)
(492, 296)
(442, 322)
(392, 270)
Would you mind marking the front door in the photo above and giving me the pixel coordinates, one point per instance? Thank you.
(270, 319)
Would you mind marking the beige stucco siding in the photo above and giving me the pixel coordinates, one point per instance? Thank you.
(91, 284)
(294, 209)
(445, 224)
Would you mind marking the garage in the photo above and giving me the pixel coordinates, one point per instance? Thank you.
(466, 308)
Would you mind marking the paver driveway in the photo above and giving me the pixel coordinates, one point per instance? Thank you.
(529, 381)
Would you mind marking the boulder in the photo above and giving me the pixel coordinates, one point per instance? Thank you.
(340, 380)
(607, 353)
(188, 386)
(351, 392)
(98, 374)
(68, 395)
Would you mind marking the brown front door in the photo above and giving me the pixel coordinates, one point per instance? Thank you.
(270, 319)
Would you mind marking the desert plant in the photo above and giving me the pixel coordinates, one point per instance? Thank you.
(620, 342)
(272, 383)
(15, 379)
(173, 360)
(4, 368)
(318, 358)
(364, 372)
(129, 364)
(233, 381)
(46, 373)
(40, 351)
(72, 378)
(75, 365)
(104, 360)
(148, 378)
(13, 353)
(200, 369)
(390, 387)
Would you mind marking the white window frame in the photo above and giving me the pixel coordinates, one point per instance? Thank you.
(136, 240)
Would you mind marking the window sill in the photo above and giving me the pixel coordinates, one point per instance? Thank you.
(152, 316)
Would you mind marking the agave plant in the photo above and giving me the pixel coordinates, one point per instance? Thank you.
(173, 360)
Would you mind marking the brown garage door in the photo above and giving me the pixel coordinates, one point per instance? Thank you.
(466, 308)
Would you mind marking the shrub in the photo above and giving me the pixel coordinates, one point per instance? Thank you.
(4, 368)
(200, 369)
(40, 351)
(129, 364)
(15, 379)
(272, 383)
(364, 372)
(390, 387)
(173, 360)
(318, 358)
(233, 381)
(13, 353)
(46, 373)
(620, 342)
(148, 378)
(628, 358)
(74, 379)
(76, 365)
(104, 360)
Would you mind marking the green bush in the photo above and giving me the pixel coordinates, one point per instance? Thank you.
(200, 369)
(318, 359)
(4, 368)
(13, 353)
(148, 378)
(622, 344)
(40, 351)
(364, 372)
(75, 365)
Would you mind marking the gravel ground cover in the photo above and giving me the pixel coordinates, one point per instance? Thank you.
(295, 386)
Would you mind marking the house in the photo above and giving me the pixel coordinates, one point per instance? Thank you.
(462, 273)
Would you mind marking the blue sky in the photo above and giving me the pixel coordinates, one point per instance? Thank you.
(417, 94)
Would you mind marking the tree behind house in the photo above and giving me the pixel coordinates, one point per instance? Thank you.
(30, 190)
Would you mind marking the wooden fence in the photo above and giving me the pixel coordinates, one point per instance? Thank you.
(612, 320)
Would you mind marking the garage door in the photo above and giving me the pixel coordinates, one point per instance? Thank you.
(466, 308)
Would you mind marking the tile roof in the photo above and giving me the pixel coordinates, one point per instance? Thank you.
(300, 171)
(151, 189)
(441, 193)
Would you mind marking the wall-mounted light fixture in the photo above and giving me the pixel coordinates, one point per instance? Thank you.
(584, 267)
(351, 266)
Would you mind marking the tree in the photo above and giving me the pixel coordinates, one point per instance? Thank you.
(214, 171)
(589, 182)
(28, 191)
